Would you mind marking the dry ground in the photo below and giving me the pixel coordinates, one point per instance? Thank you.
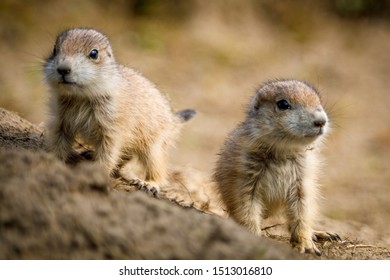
(211, 56)
(53, 211)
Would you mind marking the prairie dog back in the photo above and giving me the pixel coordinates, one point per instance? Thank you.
(108, 106)
(269, 162)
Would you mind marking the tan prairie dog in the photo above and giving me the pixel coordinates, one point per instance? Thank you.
(269, 161)
(108, 106)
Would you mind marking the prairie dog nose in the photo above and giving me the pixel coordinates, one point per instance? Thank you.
(320, 118)
(319, 123)
(63, 70)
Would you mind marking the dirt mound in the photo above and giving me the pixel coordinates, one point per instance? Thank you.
(16, 132)
(51, 211)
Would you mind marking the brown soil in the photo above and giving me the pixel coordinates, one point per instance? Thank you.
(52, 211)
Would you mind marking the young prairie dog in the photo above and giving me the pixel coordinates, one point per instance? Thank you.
(108, 106)
(269, 162)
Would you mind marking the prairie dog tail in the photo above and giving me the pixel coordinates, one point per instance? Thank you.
(185, 115)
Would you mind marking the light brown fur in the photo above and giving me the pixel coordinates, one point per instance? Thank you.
(108, 106)
(269, 162)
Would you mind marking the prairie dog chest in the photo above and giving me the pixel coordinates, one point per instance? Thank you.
(85, 117)
(275, 178)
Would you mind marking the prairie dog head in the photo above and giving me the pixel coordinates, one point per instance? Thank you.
(81, 63)
(287, 114)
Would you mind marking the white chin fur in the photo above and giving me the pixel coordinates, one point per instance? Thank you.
(86, 78)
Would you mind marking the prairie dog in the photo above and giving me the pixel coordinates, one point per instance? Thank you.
(269, 161)
(108, 106)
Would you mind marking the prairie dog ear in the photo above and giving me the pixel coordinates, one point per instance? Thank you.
(254, 105)
(256, 102)
(260, 96)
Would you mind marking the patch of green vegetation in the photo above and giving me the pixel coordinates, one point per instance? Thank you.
(149, 39)
(169, 9)
(295, 18)
(338, 214)
(260, 254)
(360, 8)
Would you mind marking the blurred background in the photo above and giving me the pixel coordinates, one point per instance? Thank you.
(211, 56)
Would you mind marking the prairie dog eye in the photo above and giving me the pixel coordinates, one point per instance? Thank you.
(283, 105)
(94, 54)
